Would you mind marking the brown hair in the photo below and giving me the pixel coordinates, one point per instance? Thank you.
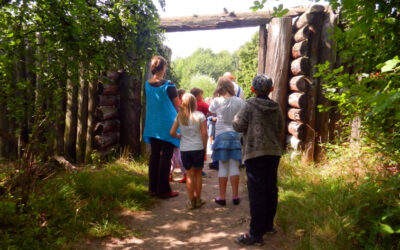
(188, 107)
(224, 86)
(157, 64)
(196, 91)
(181, 92)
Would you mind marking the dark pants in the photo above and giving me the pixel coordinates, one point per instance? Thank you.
(263, 192)
(159, 166)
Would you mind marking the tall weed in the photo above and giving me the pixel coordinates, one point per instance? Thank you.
(349, 201)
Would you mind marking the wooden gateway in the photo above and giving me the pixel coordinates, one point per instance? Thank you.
(289, 48)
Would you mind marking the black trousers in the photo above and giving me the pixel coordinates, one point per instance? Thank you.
(159, 166)
(263, 193)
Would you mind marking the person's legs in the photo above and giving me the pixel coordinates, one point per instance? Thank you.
(271, 164)
(234, 177)
(190, 183)
(154, 164)
(198, 182)
(256, 186)
(223, 172)
(165, 161)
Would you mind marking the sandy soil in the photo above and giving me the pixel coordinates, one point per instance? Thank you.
(169, 225)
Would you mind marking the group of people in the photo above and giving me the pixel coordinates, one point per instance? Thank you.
(246, 131)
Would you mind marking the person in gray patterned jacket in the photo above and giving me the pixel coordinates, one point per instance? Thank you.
(261, 122)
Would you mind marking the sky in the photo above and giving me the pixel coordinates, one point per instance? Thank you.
(183, 44)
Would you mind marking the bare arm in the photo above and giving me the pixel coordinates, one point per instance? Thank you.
(173, 130)
(176, 103)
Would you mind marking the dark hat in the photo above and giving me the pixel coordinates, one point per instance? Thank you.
(262, 83)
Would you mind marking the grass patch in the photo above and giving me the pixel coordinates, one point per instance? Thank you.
(348, 202)
(71, 206)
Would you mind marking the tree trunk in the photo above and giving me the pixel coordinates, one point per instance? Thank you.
(130, 112)
(222, 21)
(82, 116)
(71, 114)
(4, 145)
(277, 60)
(107, 126)
(90, 121)
(308, 16)
(262, 48)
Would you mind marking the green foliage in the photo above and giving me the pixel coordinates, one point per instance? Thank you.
(72, 206)
(278, 12)
(368, 36)
(248, 64)
(351, 202)
(203, 62)
(40, 41)
(206, 83)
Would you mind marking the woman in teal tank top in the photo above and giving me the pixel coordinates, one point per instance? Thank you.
(162, 104)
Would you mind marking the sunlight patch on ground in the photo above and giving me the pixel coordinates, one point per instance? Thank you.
(207, 237)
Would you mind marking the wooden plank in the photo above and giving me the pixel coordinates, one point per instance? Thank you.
(277, 59)
(262, 48)
(222, 21)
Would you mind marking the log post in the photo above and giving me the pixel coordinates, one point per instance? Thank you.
(106, 140)
(107, 100)
(300, 49)
(82, 116)
(298, 100)
(106, 89)
(106, 113)
(277, 59)
(302, 34)
(107, 126)
(300, 66)
(311, 134)
(262, 48)
(90, 121)
(71, 114)
(297, 129)
(131, 87)
(326, 54)
(297, 115)
(299, 83)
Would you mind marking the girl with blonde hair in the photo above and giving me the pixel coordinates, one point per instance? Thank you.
(193, 136)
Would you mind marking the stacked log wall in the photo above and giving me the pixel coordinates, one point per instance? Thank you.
(106, 131)
(303, 87)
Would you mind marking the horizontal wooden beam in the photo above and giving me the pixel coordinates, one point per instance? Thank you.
(222, 21)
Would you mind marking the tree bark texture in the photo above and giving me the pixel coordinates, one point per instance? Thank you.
(90, 121)
(326, 54)
(71, 114)
(277, 59)
(262, 48)
(302, 34)
(131, 87)
(222, 21)
(308, 17)
(82, 117)
(311, 134)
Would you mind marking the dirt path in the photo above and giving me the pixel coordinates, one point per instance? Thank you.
(169, 225)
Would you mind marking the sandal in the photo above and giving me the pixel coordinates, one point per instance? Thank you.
(199, 202)
(191, 204)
